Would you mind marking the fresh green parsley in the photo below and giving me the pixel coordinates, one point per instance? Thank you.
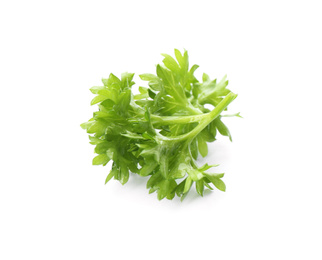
(159, 132)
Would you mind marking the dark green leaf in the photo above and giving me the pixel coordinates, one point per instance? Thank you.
(151, 94)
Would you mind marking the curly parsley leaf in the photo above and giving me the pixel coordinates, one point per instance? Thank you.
(159, 132)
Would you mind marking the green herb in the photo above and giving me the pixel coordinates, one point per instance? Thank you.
(160, 132)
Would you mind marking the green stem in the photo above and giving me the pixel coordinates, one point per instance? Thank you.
(206, 120)
(172, 120)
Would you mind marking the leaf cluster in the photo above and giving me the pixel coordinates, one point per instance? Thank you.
(159, 132)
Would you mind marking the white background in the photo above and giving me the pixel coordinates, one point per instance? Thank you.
(53, 202)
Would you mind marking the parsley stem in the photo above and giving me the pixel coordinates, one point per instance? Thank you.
(172, 120)
(206, 119)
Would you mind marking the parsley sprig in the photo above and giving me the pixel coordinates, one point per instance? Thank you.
(159, 132)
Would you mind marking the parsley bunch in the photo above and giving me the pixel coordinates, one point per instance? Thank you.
(159, 132)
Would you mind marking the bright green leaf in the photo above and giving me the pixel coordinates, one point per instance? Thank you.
(219, 184)
(200, 187)
(187, 185)
(109, 176)
(101, 159)
(98, 99)
(170, 63)
(202, 146)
